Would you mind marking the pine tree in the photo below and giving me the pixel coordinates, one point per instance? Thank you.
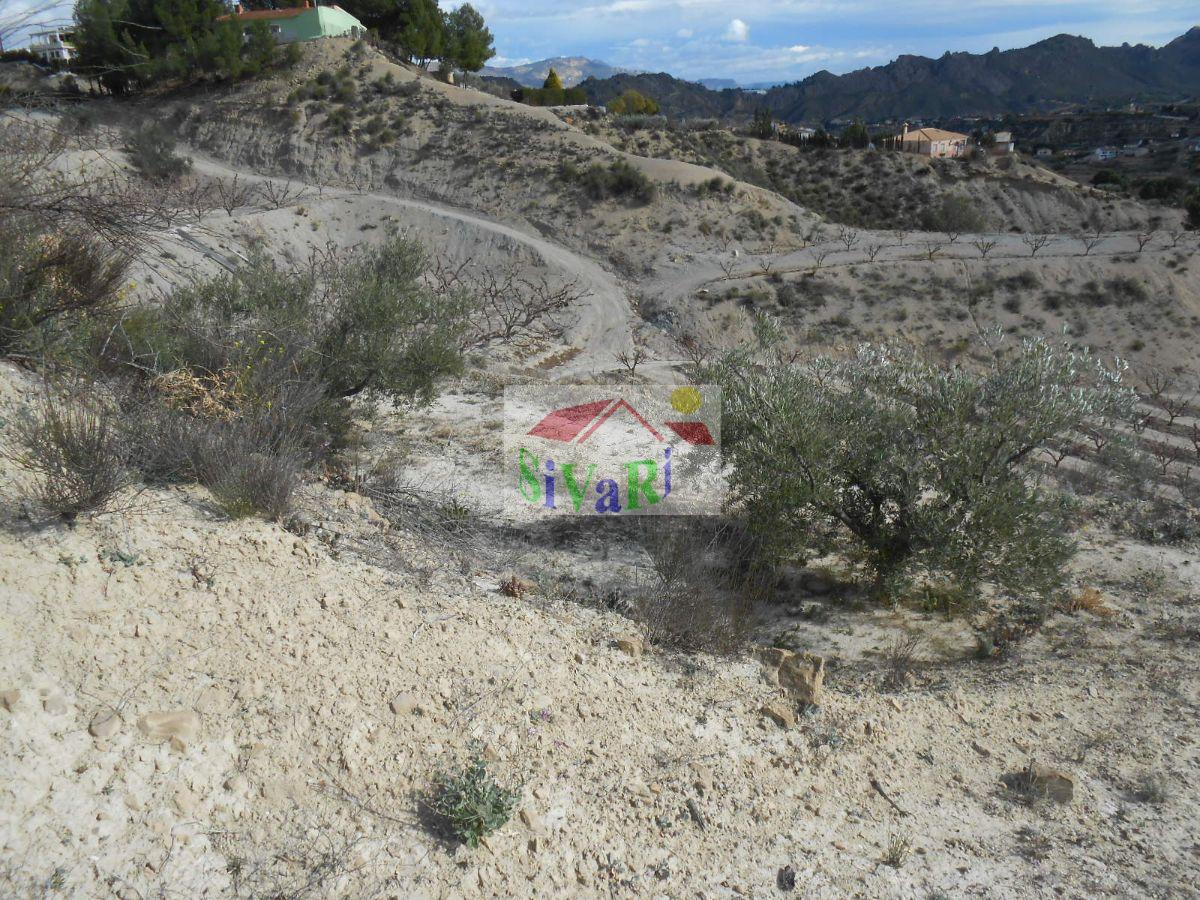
(552, 82)
(469, 43)
(423, 31)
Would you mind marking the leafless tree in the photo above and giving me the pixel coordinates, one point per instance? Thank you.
(276, 195)
(766, 265)
(232, 193)
(1162, 392)
(1091, 241)
(1099, 438)
(984, 246)
(1057, 452)
(1165, 455)
(1175, 237)
(507, 305)
(1143, 239)
(1035, 242)
(901, 237)
(849, 237)
(727, 266)
(818, 254)
(102, 199)
(631, 359)
(697, 353)
(932, 249)
(873, 250)
(952, 236)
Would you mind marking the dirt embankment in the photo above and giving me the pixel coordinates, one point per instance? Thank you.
(193, 706)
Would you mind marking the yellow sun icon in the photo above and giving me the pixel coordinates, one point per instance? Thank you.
(686, 400)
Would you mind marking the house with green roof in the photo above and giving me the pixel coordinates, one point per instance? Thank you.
(300, 23)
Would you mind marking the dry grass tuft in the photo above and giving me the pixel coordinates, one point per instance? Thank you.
(1089, 600)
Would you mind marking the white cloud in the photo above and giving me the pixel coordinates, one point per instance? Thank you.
(684, 33)
(738, 32)
(799, 48)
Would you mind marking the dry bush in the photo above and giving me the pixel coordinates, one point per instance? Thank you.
(1089, 600)
(75, 448)
(701, 584)
(50, 280)
(245, 480)
(515, 587)
(903, 656)
(250, 454)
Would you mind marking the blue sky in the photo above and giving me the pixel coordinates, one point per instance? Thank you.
(777, 40)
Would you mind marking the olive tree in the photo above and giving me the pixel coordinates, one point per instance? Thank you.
(912, 468)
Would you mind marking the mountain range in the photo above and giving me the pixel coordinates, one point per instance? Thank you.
(1060, 71)
(571, 69)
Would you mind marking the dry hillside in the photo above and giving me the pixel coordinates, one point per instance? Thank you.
(198, 706)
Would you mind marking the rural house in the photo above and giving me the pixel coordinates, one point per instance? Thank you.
(300, 23)
(932, 142)
(52, 46)
(1002, 144)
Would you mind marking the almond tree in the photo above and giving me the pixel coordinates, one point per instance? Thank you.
(1034, 242)
(984, 246)
(1091, 241)
(849, 237)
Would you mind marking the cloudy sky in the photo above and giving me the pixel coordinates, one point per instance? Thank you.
(777, 40)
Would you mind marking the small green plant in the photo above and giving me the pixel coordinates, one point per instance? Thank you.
(471, 803)
(897, 851)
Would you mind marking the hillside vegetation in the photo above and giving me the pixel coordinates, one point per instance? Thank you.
(270, 625)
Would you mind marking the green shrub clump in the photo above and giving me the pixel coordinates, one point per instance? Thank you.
(618, 179)
(633, 103)
(151, 151)
(912, 469)
(471, 804)
(250, 373)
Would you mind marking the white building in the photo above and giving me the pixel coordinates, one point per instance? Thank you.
(52, 46)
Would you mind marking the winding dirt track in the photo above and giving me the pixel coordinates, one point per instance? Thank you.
(604, 322)
(602, 325)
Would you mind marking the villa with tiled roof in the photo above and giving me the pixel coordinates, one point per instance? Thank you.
(933, 142)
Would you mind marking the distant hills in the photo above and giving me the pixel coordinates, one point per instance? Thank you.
(571, 69)
(1062, 70)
